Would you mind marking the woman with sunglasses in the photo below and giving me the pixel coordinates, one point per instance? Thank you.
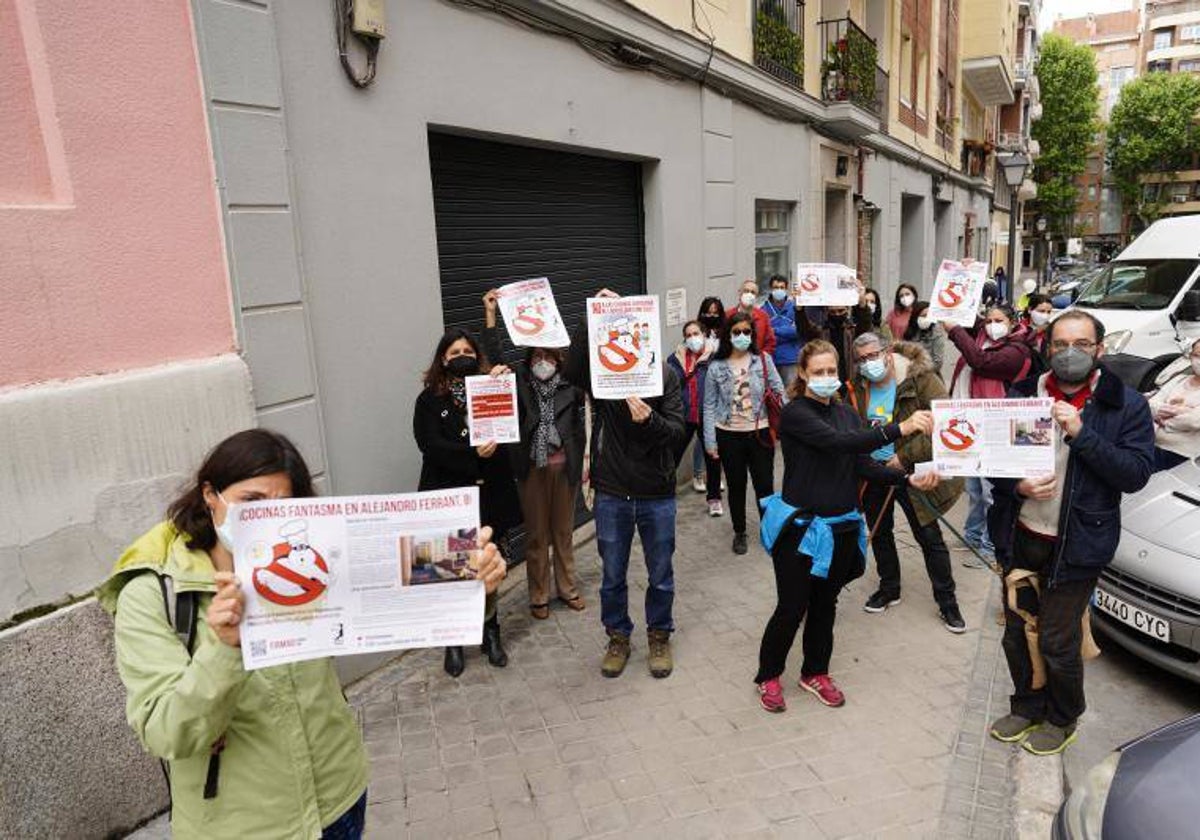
(736, 427)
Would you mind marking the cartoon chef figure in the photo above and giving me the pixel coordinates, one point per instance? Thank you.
(297, 574)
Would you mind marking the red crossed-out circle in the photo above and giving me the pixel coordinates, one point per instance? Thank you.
(617, 358)
(810, 283)
(952, 295)
(958, 436)
(313, 589)
(527, 323)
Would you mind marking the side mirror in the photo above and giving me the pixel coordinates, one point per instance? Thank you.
(1189, 307)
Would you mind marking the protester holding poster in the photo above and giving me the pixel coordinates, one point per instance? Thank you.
(449, 460)
(814, 529)
(736, 424)
(275, 752)
(1056, 534)
(548, 464)
(993, 355)
(624, 345)
(634, 446)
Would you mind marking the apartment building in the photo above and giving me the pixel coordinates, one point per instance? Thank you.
(223, 221)
(1116, 40)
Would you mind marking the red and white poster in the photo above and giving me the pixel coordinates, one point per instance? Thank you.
(994, 438)
(825, 284)
(957, 291)
(345, 574)
(530, 314)
(492, 409)
(625, 346)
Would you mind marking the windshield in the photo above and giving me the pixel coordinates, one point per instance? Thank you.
(1141, 284)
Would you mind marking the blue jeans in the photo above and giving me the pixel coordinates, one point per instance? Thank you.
(654, 520)
(349, 826)
(979, 491)
(698, 456)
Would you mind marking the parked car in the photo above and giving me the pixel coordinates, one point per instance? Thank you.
(1145, 788)
(1148, 599)
(1067, 286)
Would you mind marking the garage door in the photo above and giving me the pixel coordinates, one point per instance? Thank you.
(507, 212)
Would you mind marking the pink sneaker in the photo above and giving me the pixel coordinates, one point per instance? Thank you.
(824, 688)
(770, 694)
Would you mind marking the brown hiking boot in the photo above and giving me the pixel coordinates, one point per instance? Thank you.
(616, 656)
(659, 658)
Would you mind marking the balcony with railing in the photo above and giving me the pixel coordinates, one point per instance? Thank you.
(779, 39)
(851, 78)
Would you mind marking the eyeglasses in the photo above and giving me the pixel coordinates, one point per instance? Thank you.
(1080, 344)
(870, 357)
(739, 332)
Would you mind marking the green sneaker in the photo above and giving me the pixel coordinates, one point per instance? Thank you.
(1012, 728)
(1049, 739)
(616, 656)
(659, 658)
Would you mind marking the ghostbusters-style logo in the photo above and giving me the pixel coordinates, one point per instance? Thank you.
(954, 293)
(959, 434)
(528, 320)
(297, 574)
(810, 283)
(622, 350)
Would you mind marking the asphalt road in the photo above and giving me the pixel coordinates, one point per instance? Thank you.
(1126, 697)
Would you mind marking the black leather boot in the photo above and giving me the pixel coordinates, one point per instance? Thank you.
(454, 663)
(491, 647)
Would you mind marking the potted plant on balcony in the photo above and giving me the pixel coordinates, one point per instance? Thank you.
(848, 70)
(776, 46)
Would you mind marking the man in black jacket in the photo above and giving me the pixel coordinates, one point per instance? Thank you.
(1054, 535)
(632, 471)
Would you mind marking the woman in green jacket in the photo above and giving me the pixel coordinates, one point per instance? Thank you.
(272, 753)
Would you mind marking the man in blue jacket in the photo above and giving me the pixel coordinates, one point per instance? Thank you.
(1059, 532)
(781, 309)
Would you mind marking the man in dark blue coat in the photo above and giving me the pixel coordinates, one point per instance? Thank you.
(1054, 535)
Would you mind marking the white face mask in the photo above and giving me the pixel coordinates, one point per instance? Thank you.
(748, 298)
(906, 300)
(225, 529)
(543, 369)
(871, 306)
(924, 322)
(1039, 318)
(695, 343)
(996, 330)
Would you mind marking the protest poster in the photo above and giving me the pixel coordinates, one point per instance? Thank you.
(825, 284)
(348, 574)
(1004, 438)
(957, 291)
(530, 314)
(492, 409)
(624, 344)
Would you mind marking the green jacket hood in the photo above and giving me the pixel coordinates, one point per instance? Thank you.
(162, 550)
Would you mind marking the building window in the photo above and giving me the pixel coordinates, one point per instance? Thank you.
(1189, 65)
(1190, 32)
(1150, 193)
(1088, 221)
(1091, 192)
(1117, 78)
(1162, 39)
(906, 68)
(772, 238)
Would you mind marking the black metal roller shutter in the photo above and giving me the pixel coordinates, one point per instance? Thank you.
(507, 212)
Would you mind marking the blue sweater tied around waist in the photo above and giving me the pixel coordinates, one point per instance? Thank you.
(817, 542)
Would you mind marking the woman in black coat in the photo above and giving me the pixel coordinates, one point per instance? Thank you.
(548, 464)
(449, 460)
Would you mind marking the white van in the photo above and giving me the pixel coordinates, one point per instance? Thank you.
(1148, 297)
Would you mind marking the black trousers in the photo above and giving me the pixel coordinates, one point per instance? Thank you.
(741, 453)
(929, 537)
(802, 597)
(1060, 634)
(712, 467)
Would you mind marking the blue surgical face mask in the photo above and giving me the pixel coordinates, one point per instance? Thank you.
(695, 343)
(740, 342)
(874, 370)
(824, 386)
(779, 294)
(225, 529)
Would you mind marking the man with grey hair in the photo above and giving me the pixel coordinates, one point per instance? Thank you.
(889, 385)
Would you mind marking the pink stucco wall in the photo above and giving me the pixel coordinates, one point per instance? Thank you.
(110, 236)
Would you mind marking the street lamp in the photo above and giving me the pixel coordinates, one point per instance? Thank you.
(1044, 247)
(1014, 165)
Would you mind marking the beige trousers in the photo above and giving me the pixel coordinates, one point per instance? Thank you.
(548, 501)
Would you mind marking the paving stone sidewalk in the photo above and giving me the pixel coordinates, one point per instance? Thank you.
(548, 748)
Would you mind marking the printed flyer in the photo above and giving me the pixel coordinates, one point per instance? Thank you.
(531, 315)
(957, 291)
(1009, 438)
(492, 409)
(331, 576)
(825, 284)
(625, 347)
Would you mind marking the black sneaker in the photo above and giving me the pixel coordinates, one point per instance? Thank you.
(953, 619)
(739, 544)
(880, 601)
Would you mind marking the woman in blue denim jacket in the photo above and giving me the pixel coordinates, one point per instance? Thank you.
(735, 418)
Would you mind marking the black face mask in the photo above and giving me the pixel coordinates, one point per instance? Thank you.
(711, 321)
(461, 366)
